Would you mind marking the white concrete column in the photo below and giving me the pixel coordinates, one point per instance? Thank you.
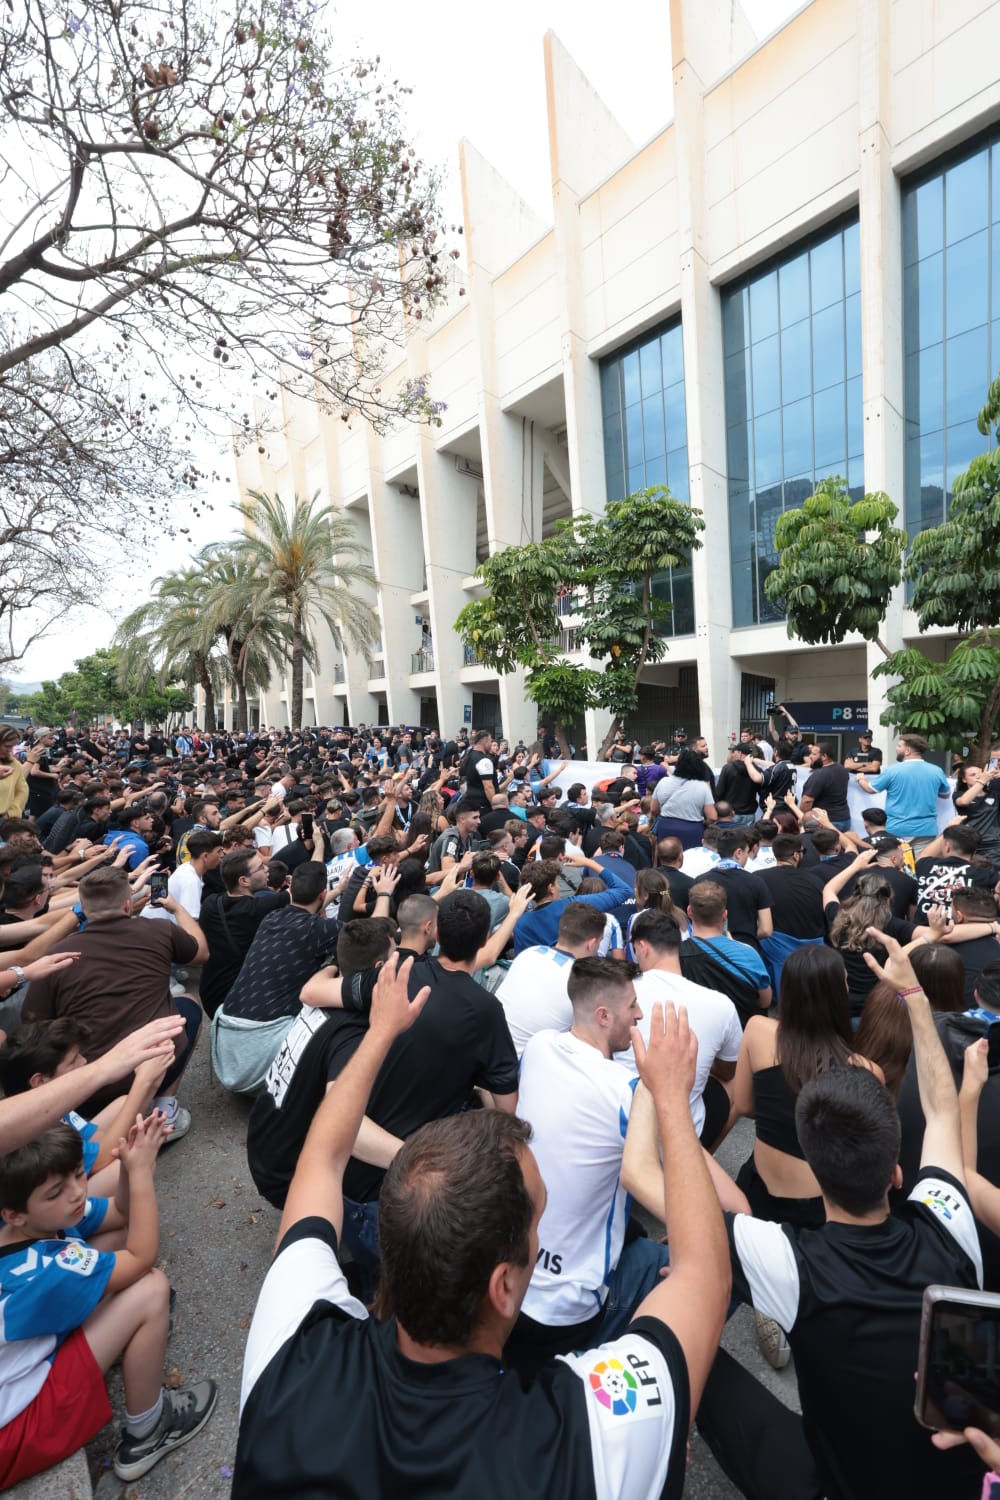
(881, 307)
(499, 226)
(707, 36)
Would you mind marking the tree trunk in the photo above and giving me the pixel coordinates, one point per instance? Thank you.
(298, 651)
(242, 710)
(608, 740)
(559, 730)
(206, 687)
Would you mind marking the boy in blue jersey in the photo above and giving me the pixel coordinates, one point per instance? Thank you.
(69, 1310)
(43, 1050)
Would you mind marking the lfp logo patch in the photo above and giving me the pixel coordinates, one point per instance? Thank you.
(614, 1386)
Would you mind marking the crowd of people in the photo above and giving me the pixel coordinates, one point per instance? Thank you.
(484, 1011)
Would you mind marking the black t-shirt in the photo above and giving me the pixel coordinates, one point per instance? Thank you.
(796, 901)
(827, 786)
(477, 767)
(849, 1297)
(983, 816)
(975, 955)
(316, 1048)
(828, 865)
(746, 895)
(460, 1041)
(333, 1407)
(860, 979)
(939, 878)
(868, 755)
(288, 948)
(957, 1032)
(230, 924)
(735, 787)
(491, 821)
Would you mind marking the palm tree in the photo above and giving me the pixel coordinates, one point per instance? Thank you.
(309, 565)
(167, 639)
(237, 614)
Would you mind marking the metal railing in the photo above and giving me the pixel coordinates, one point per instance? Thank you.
(338, 672)
(469, 657)
(376, 667)
(422, 661)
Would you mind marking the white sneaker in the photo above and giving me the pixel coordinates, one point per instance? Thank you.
(177, 1117)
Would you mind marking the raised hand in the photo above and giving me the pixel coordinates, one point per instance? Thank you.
(667, 1062)
(393, 1012)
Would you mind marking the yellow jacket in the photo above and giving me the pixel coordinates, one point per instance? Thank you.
(13, 792)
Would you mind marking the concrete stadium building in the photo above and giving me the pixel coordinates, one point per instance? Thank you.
(798, 276)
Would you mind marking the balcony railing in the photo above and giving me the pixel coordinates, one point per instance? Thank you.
(567, 604)
(376, 667)
(338, 672)
(422, 661)
(469, 657)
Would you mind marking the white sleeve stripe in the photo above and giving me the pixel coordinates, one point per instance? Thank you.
(769, 1264)
(302, 1275)
(632, 1411)
(953, 1211)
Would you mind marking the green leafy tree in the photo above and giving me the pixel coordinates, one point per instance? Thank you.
(309, 567)
(220, 188)
(238, 613)
(168, 640)
(610, 564)
(839, 562)
(621, 554)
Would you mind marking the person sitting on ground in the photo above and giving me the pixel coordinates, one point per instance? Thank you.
(891, 862)
(122, 979)
(466, 1192)
(542, 878)
(37, 1054)
(703, 858)
(288, 947)
(885, 1035)
(187, 882)
(462, 1044)
(712, 958)
(534, 992)
(135, 824)
(848, 922)
(71, 1310)
(586, 1282)
(669, 858)
(850, 1294)
(230, 922)
(748, 902)
(656, 940)
(948, 865)
(486, 879)
(612, 856)
(975, 933)
(762, 835)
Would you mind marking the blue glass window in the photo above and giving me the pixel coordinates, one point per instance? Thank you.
(792, 344)
(951, 321)
(645, 437)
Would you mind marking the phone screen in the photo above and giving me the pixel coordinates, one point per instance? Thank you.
(306, 824)
(157, 887)
(961, 1374)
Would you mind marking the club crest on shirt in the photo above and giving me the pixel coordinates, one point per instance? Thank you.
(78, 1258)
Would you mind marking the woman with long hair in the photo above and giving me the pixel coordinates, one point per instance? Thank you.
(431, 804)
(884, 1035)
(869, 904)
(777, 1059)
(652, 893)
(683, 801)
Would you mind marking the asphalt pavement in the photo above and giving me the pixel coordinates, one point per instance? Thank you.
(216, 1239)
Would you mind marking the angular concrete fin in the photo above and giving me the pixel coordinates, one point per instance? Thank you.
(499, 225)
(710, 36)
(586, 142)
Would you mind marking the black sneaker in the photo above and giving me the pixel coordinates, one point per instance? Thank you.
(185, 1413)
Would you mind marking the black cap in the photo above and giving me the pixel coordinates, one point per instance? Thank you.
(680, 732)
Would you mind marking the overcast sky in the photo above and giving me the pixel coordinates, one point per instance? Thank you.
(476, 71)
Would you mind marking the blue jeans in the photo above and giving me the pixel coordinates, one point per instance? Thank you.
(637, 1273)
(360, 1235)
(193, 1016)
(743, 820)
(843, 826)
